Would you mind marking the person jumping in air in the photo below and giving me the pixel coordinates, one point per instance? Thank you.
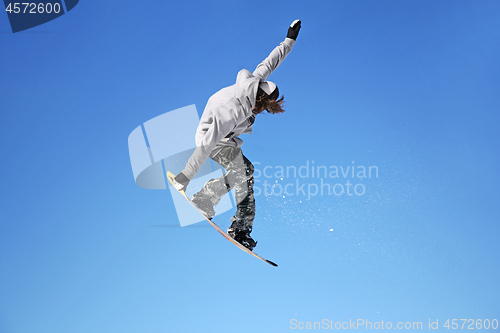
(230, 112)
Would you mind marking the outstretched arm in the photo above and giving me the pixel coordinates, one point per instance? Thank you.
(219, 128)
(276, 57)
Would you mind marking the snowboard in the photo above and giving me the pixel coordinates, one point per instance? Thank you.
(171, 177)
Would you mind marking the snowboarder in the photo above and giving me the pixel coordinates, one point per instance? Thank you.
(230, 112)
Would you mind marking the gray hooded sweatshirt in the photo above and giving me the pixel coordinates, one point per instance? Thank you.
(228, 112)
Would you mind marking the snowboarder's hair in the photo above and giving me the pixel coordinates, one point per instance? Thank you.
(269, 104)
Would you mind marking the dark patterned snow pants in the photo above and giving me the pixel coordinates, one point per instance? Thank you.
(239, 175)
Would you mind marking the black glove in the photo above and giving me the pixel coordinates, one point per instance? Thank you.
(181, 182)
(293, 31)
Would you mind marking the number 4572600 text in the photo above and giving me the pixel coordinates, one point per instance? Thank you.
(33, 8)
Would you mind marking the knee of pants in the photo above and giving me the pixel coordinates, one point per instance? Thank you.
(249, 168)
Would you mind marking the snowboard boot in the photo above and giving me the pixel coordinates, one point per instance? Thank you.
(204, 204)
(242, 236)
(245, 240)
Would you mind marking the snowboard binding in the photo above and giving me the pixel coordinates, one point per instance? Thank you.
(242, 236)
(204, 204)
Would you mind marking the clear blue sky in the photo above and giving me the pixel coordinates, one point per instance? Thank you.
(411, 87)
